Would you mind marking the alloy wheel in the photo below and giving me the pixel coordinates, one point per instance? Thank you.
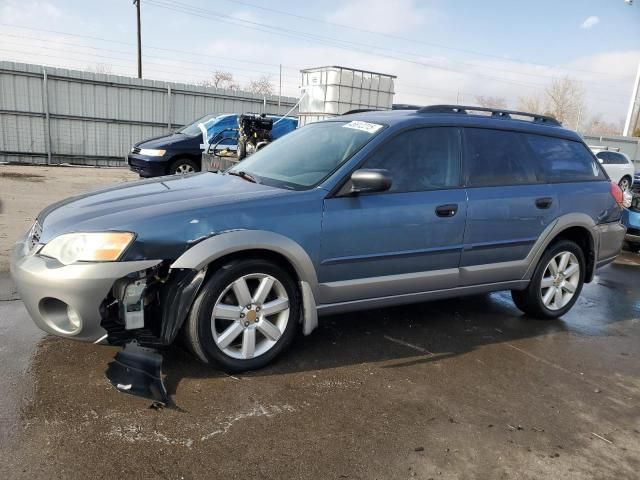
(560, 280)
(184, 168)
(624, 184)
(250, 316)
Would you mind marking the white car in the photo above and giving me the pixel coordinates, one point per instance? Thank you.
(617, 165)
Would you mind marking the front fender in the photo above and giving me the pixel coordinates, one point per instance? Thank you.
(222, 244)
(215, 247)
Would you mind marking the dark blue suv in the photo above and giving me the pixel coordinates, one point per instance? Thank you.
(357, 212)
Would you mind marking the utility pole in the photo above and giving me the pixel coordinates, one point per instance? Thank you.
(137, 4)
(630, 124)
(633, 104)
(280, 91)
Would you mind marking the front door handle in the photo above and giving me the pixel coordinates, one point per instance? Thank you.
(448, 210)
(544, 202)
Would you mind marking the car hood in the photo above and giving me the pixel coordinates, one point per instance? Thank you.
(163, 140)
(157, 202)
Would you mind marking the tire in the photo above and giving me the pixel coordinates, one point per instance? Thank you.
(242, 149)
(183, 166)
(634, 246)
(532, 300)
(224, 340)
(625, 183)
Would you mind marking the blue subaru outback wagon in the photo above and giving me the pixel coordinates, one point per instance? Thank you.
(361, 211)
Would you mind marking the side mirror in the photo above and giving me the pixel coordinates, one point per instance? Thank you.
(600, 160)
(370, 180)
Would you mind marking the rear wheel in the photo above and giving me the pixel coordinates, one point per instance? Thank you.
(183, 166)
(634, 246)
(556, 282)
(246, 315)
(242, 149)
(625, 183)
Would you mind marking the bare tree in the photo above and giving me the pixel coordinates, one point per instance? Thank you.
(261, 86)
(565, 101)
(597, 126)
(491, 102)
(103, 68)
(221, 79)
(532, 104)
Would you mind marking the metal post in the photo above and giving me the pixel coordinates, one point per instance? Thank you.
(137, 4)
(169, 108)
(47, 119)
(280, 91)
(632, 104)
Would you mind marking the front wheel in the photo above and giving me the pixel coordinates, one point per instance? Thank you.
(246, 315)
(183, 166)
(556, 282)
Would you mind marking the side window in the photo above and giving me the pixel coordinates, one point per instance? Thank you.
(618, 158)
(421, 159)
(606, 157)
(497, 157)
(565, 160)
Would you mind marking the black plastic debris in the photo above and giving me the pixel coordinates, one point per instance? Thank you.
(137, 371)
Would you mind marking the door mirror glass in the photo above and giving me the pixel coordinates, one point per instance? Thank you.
(370, 180)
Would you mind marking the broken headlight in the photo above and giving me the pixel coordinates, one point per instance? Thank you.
(87, 247)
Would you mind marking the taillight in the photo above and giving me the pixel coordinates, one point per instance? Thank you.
(616, 193)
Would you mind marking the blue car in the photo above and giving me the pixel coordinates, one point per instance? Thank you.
(358, 212)
(631, 219)
(180, 152)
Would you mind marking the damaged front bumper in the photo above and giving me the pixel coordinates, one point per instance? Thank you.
(65, 300)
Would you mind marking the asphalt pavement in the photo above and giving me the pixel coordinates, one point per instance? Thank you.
(463, 388)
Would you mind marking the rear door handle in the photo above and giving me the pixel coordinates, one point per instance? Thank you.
(448, 210)
(544, 202)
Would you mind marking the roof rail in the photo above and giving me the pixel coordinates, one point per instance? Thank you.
(495, 112)
(405, 106)
(362, 110)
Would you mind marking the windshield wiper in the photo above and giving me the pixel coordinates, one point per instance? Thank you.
(244, 175)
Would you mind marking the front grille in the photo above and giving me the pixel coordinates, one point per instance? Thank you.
(33, 239)
(135, 150)
(633, 231)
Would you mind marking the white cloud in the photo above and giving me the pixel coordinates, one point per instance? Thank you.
(14, 11)
(381, 15)
(590, 22)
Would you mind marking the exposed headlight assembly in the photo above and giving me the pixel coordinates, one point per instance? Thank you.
(152, 152)
(87, 247)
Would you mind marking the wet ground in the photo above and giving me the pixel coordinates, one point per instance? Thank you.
(465, 388)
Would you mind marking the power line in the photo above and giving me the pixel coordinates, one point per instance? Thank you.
(413, 40)
(343, 44)
(184, 52)
(129, 54)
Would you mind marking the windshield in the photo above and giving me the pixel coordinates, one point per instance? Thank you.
(303, 158)
(193, 130)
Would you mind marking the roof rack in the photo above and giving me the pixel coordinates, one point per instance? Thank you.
(362, 110)
(495, 112)
(405, 106)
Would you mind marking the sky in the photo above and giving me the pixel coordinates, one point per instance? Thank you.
(442, 51)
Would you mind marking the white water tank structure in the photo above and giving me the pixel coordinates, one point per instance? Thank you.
(331, 91)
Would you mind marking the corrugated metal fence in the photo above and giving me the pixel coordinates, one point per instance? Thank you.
(54, 115)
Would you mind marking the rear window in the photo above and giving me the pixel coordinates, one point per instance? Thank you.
(564, 160)
(612, 158)
(497, 157)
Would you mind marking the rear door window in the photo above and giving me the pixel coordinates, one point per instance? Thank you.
(564, 160)
(612, 158)
(498, 157)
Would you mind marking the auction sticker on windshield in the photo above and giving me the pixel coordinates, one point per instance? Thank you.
(364, 126)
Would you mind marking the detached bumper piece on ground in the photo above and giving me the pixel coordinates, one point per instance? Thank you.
(137, 371)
